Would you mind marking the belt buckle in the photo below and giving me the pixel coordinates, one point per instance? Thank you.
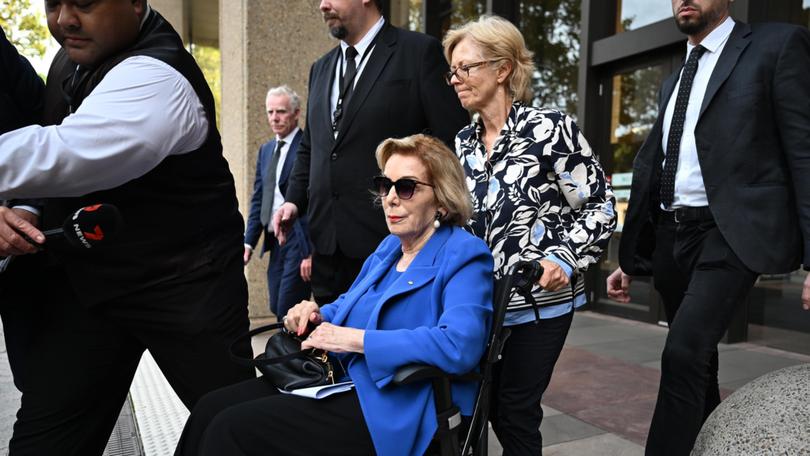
(675, 215)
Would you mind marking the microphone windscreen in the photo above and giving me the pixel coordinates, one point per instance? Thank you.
(92, 226)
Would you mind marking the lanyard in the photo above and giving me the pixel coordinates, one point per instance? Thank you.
(343, 87)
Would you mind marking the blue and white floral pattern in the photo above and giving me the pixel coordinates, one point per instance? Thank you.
(542, 192)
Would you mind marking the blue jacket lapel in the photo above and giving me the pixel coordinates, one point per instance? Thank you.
(421, 272)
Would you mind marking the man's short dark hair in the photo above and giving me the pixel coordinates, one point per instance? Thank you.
(379, 5)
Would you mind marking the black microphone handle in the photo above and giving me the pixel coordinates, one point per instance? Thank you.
(53, 233)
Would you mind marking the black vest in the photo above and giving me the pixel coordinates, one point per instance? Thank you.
(181, 219)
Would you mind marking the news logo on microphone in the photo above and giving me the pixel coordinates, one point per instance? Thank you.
(93, 225)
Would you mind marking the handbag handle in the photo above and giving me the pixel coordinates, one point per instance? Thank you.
(260, 360)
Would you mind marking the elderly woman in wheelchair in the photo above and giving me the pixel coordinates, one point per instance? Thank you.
(424, 296)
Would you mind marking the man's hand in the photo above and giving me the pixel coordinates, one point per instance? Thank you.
(554, 277)
(247, 255)
(283, 220)
(618, 286)
(806, 293)
(306, 269)
(13, 224)
(335, 339)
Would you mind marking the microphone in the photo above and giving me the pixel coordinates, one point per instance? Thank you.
(89, 227)
(86, 228)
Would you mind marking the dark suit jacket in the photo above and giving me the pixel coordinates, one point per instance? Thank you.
(753, 144)
(254, 228)
(401, 91)
(22, 92)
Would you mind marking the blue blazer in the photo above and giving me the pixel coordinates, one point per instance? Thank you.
(437, 312)
(254, 228)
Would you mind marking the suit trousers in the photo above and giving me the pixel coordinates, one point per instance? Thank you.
(284, 283)
(80, 361)
(333, 274)
(520, 379)
(702, 282)
(253, 418)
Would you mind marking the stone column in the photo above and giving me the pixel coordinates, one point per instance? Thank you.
(177, 13)
(264, 43)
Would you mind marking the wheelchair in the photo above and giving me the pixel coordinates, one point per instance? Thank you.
(451, 427)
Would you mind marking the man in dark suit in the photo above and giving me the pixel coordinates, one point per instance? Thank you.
(288, 270)
(380, 82)
(719, 196)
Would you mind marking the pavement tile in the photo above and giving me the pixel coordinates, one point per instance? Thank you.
(601, 445)
(564, 428)
(610, 333)
(605, 392)
(633, 351)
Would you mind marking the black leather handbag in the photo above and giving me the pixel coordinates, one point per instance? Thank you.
(284, 364)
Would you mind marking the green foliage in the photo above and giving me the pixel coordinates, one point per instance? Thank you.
(210, 62)
(551, 30)
(25, 27)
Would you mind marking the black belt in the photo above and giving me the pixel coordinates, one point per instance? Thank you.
(687, 214)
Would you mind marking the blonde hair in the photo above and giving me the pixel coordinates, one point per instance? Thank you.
(444, 172)
(500, 40)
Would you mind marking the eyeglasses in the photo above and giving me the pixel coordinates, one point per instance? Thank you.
(448, 77)
(404, 187)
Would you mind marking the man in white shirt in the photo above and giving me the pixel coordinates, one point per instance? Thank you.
(130, 122)
(718, 197)
(290, 264)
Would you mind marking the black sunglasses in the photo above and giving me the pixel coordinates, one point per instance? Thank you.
(404, 187)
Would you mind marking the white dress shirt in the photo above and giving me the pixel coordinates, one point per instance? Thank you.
(278, 199)
(689, 188)
(362, 46)
(141, 112)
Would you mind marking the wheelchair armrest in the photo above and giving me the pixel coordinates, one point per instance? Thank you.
(418, 372)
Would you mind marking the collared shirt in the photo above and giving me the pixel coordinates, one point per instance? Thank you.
(542, 194)
(141, 112)
(689, 189)
(362, 47)
(278, 199)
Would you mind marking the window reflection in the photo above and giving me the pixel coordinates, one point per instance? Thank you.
(551, 31)
(775, 316)
(634, 109)
(467, 10)
(634, 14)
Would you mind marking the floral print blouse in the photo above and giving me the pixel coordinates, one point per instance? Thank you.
(542, 194)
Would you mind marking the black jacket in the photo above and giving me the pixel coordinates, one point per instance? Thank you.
(753, 144)
(401, 91)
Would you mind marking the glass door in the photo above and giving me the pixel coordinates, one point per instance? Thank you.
(630, 112)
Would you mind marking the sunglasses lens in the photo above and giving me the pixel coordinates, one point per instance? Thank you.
(405, 188)
(382, 185)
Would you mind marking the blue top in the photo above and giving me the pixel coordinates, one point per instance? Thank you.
(437, 312)
(360, 313)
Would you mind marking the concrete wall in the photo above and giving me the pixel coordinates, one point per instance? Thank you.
(264, 43)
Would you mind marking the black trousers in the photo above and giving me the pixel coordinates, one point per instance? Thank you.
(701, 282)
(333, 274)
(253, 418)
(80, 362)
(521, 378)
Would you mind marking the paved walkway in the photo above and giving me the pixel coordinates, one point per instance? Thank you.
(600, 400)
